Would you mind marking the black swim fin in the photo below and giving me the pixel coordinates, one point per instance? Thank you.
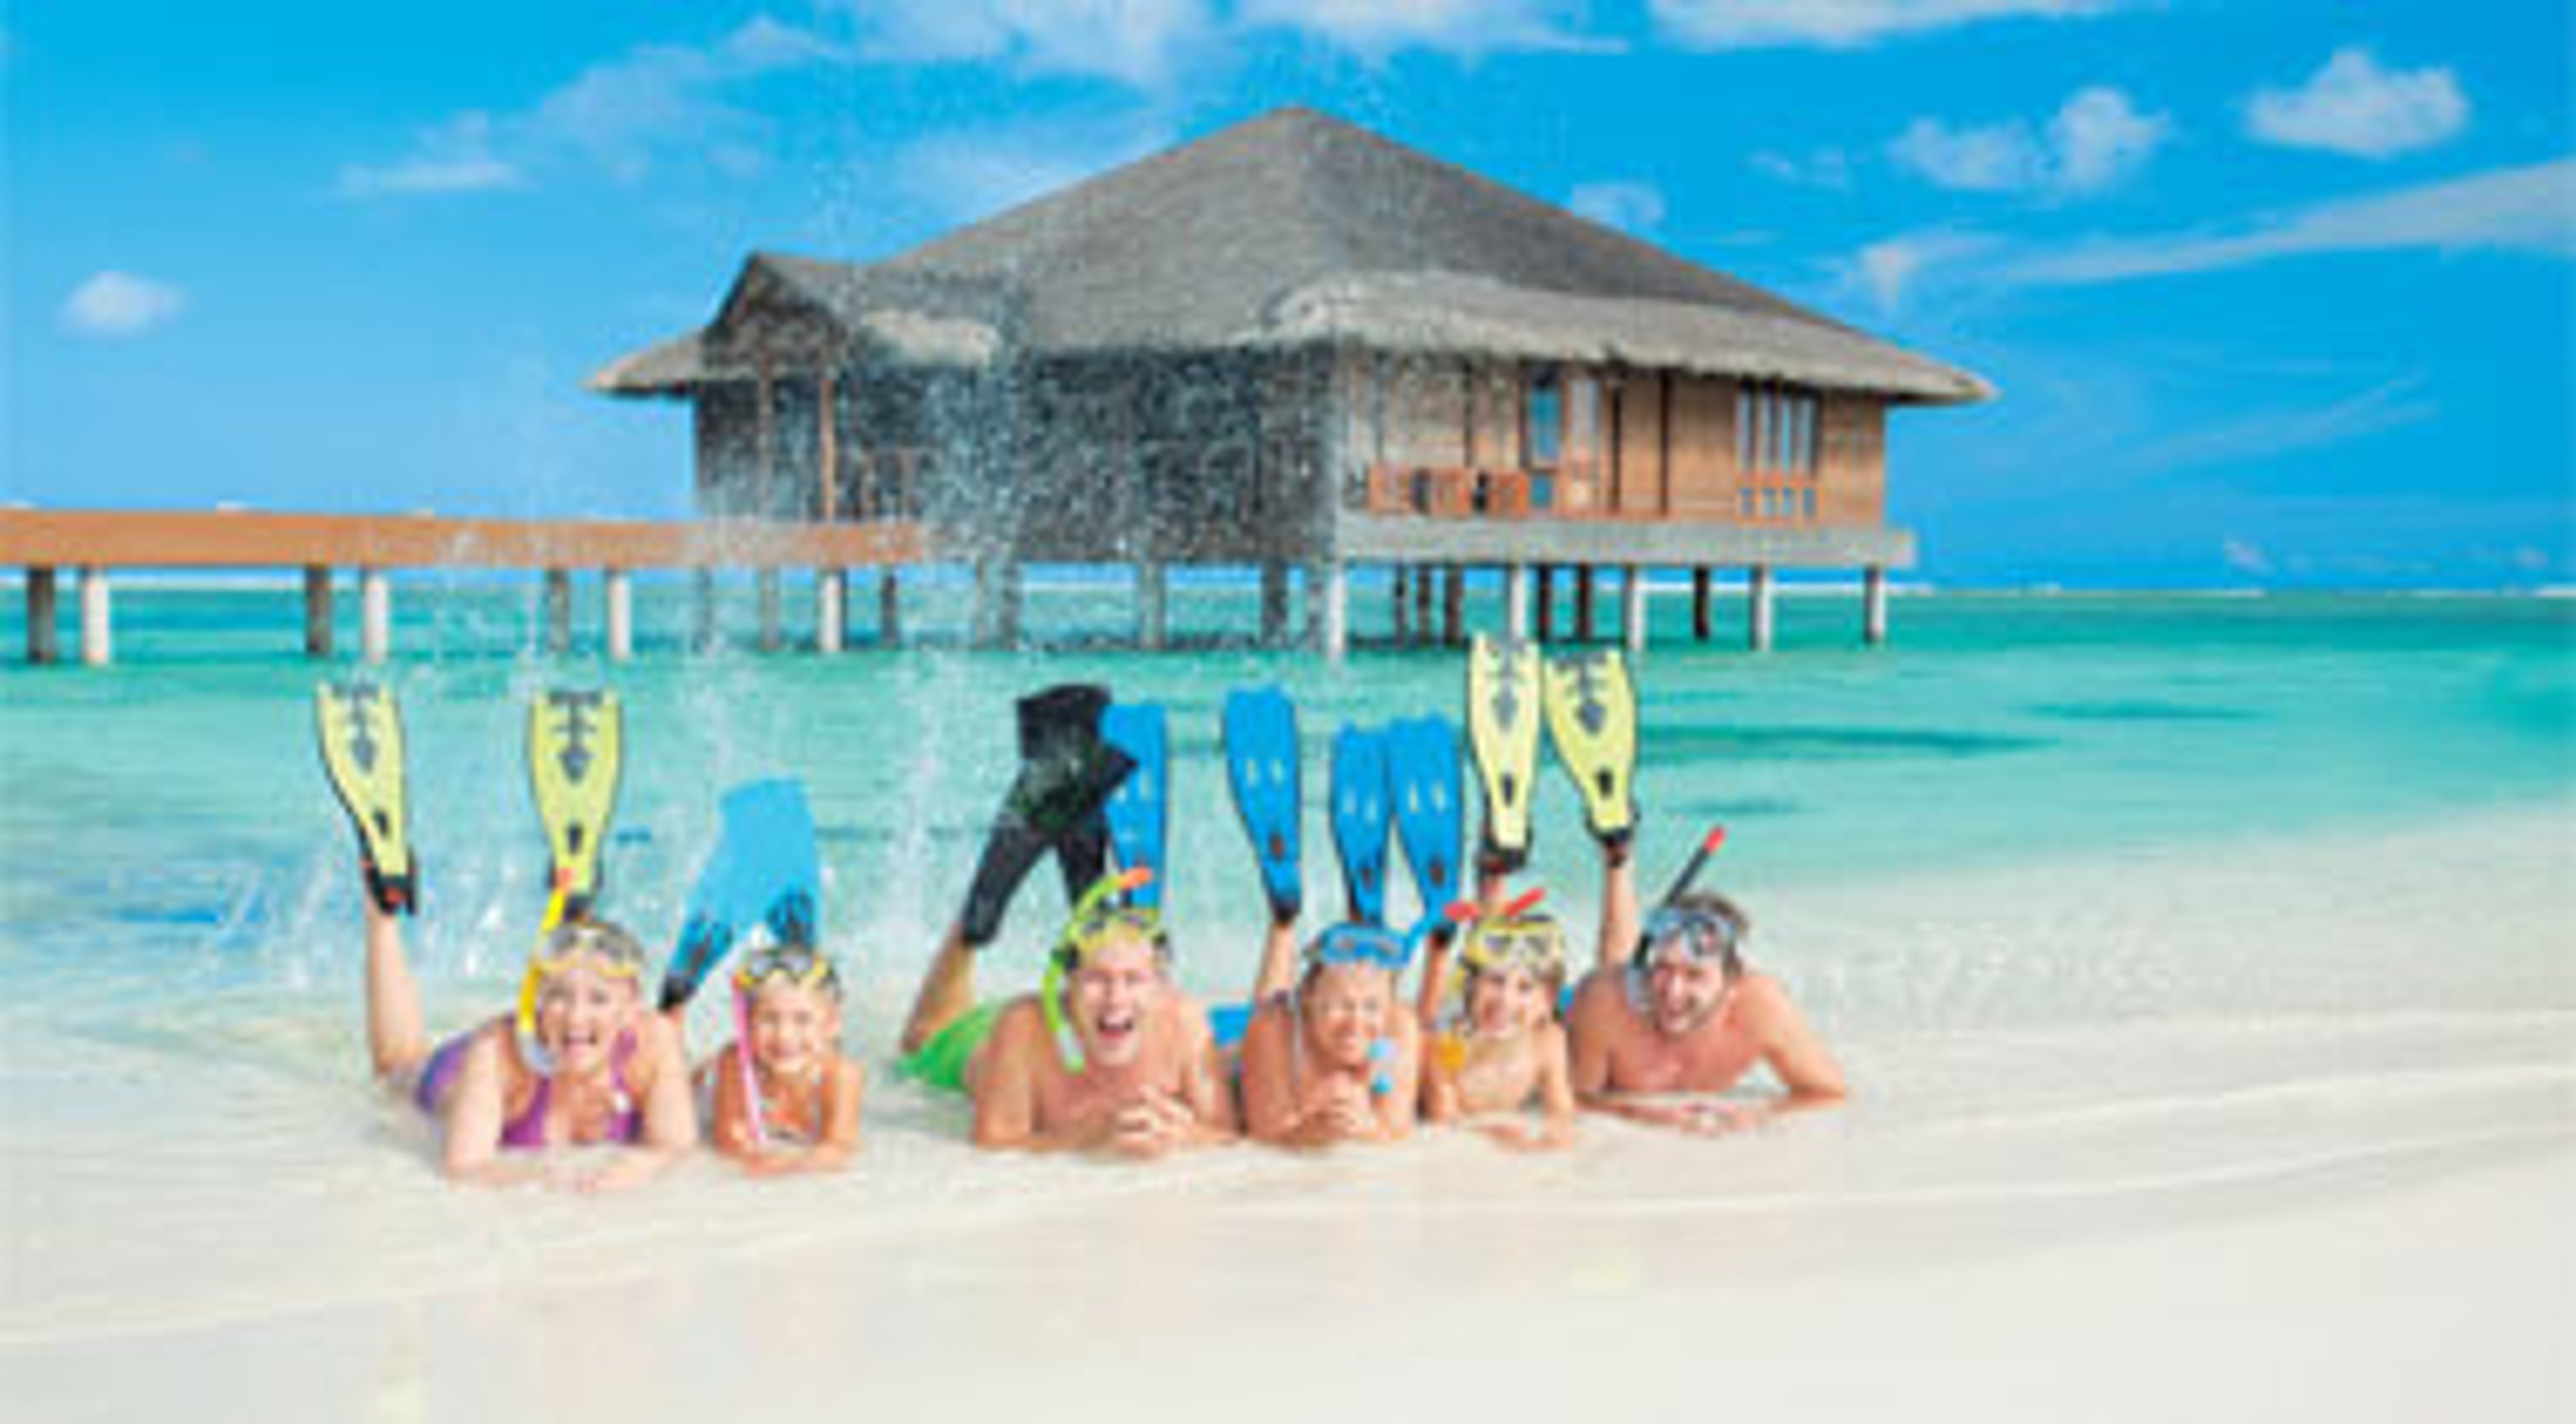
(1061, 722)
(1068, 776)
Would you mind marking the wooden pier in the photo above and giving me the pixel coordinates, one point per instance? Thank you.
(97, 544)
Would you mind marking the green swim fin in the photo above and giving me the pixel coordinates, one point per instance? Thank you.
(1502, 730)
(1592, 718)
(575, 752)
(359, 728)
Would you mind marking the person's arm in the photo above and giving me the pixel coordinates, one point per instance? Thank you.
(843, 1089)
(1439, 1083)
(1395, 1109)
(1588, 1033)
(1210, 1097)
(471, 1153)
(730, 1132)
(670, 1117)
(1556, 1089)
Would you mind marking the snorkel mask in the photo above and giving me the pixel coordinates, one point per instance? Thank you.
(1703, 931)
(1514, 937)
(1099, 915)
(560, 942)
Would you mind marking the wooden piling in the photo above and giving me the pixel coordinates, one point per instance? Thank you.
(44, 642)
(317, 610)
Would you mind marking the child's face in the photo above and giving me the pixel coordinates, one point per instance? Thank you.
(1506, 1001)
(794, 1028)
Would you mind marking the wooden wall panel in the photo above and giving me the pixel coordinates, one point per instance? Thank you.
(1426, 416)
(1703, 448)
(1851, 462)
(1643, 482)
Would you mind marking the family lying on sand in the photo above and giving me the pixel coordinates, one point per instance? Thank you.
(1108, 1055)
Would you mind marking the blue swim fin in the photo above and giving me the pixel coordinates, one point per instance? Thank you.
(763, 872)
(1360, 819)
(1261, 766)
(1423, 770)
(1140, 810)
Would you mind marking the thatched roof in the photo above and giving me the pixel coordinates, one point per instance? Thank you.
(1296, 229)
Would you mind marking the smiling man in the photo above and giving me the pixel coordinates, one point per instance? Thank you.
(1107, 1056)
(1678, 1018)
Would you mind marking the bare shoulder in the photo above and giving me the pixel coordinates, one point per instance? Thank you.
(1759, 993)
(1189, 1014)
(1021, 1023)
(1553, 1039)
(848, 1075)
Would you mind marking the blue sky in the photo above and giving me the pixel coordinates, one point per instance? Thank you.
(2277, 294)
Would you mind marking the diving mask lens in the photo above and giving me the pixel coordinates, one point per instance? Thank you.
(1360, 944)
(1700, 935)
(797, 963)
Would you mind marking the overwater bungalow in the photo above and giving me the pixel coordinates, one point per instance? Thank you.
(1297, 344)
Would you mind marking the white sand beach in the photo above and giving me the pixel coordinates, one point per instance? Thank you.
(2323, 1181)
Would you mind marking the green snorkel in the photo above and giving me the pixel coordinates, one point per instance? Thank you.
(1097, 913)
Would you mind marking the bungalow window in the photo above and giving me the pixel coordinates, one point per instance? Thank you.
(1545, 412)
(1775, 429)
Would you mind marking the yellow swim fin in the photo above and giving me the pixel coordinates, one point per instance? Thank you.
(1502, 730)
(575, 752)
(359, 728)
(1592, 718)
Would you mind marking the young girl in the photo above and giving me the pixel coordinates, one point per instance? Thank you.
(786, 1098)
(1502, 1049)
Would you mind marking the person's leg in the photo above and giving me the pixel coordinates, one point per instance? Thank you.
(947, 991)
(394, 1033)
(1278, 961)
(1619, 922)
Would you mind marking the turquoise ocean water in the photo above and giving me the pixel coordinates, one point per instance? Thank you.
(164, 817)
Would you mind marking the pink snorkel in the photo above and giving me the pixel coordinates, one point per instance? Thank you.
(750, 1071)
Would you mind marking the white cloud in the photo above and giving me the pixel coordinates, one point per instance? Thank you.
(455, 157)
(1631, 207)
(2100, 139)
(2095, 140)
(1999, 158)
(2264, 434)
(618, 116)
(1376, 28)
(967, 175)
(114, 305)
(1136, 42)
(2353, 106)
(1843, 24)
(2245, 557)
(1825, 168)
(1884, 272)
(2530, 209)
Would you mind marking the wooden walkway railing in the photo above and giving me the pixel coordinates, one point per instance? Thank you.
(96, 542)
